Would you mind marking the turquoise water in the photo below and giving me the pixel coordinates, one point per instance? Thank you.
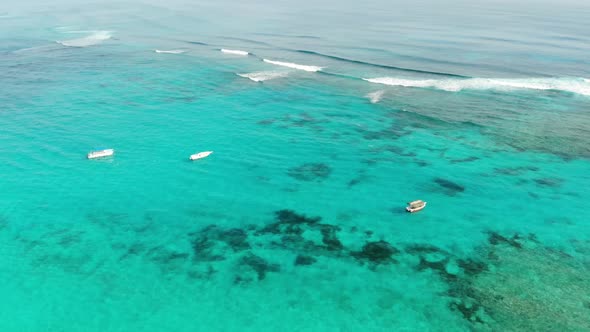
(296, 222)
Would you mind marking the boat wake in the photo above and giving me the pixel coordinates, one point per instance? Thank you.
(262, 76)
(96, 37)
(574, 85)
(375, 97)
(293, 65)
(170, 51)
(235, 52)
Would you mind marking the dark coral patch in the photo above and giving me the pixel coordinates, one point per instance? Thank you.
(513, 241)
(438, 266)
(292, 225)
(464, 160)
(206, 250)
(396, 150)
(422, 249)
(515, 170)
(291, 217)
(266, 122)
(134, 249)
(257, 264)
(469, 311)
(549, 182)
(166, 256)
(395, 131)
(211, 242)
(310, 172)
(288, 222)
(421, 163)
(236, 238)
(354, 182)
(329, 237)
(472, 267)
(304, 260)
(450, 186)
(377, 252)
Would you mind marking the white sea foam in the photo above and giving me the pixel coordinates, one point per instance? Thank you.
(293, 65)
(573, 85)
(170, 51)
(235, 52)
(375, 97)
(262, 76)
(95, 38)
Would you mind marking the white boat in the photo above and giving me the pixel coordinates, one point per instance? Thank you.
(415, 206)
(200, 155)
(101, 153)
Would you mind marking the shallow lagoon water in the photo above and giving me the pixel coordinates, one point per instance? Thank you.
(296, 221)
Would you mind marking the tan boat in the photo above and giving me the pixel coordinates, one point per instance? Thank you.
(415, 206)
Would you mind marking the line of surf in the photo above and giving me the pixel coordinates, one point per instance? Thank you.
(96, 37)
(197, 43)
(234, 52)
(573, 85)
(359, 62)
(293, 65)
(170, 51)
(262, 76)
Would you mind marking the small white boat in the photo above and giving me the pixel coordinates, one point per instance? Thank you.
(200, 155)
(415, 206)
(101, 153)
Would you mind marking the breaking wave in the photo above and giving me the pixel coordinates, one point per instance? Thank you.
(375, 97)
(262, 76)
(93, 39)
(170, 51)
(293, 65)
(235, 52)
(574, 85)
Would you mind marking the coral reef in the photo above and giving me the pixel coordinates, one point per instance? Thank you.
(310, 172)
(451, 187)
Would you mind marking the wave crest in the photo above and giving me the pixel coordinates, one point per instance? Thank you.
(337, 58)
(262, 76)
(293, 65)
(574, 85)
(235, 52)
(375, 97)
(93, 39)
(170, 51)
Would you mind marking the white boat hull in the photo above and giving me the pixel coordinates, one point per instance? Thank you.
(200, 155)
(101, 154)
